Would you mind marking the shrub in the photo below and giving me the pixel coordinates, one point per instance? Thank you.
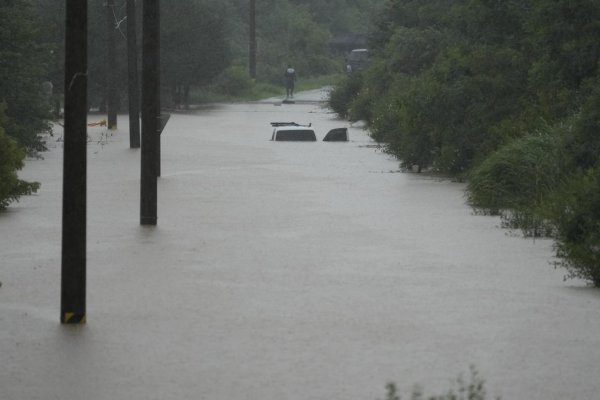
(385, 120)
(576, 215)
(343, 94)
(415, 107)
(517, 180)
(374, 89)
(11, 160)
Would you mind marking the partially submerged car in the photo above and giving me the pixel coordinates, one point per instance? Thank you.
(291, 131)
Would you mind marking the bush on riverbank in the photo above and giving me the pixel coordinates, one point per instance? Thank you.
(575, 212)
(518, 180)
(343, 94)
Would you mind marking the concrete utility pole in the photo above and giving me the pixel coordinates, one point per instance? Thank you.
(252, 43)
(112, 100)
(73, 271)
(132, 68)
(150, 110)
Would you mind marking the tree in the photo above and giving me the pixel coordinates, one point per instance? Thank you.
(341, 16)
(23, 62)
(564, 40)
(193, 46)
(287, 34)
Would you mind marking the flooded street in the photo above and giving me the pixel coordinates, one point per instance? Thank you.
(281, 270)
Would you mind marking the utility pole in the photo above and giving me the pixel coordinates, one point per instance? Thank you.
(252, 43)
(111, 64)
(73, 267)
(132, 69)
(150, 110)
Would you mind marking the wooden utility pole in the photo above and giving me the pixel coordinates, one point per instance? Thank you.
(73, 268)
(252, 40)
(112, 100)
(132, 69)
(150, 110)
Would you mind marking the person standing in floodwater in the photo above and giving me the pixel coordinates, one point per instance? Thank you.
(289, 77)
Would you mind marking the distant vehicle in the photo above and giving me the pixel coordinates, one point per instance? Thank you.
(291, 131)
(357, 60)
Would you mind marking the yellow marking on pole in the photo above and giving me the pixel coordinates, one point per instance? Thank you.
(69, 316)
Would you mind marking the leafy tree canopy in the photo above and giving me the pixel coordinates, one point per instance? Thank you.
(194, 47)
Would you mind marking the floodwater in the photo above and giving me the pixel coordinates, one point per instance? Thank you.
(281, 270)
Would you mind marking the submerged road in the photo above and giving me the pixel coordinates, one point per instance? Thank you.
(281, 270)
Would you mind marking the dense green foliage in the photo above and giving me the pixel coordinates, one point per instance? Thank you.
(193, 46)
(11, 160)
(23, 61)
(505, 94)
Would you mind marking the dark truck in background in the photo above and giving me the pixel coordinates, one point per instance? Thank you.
(357, 60)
